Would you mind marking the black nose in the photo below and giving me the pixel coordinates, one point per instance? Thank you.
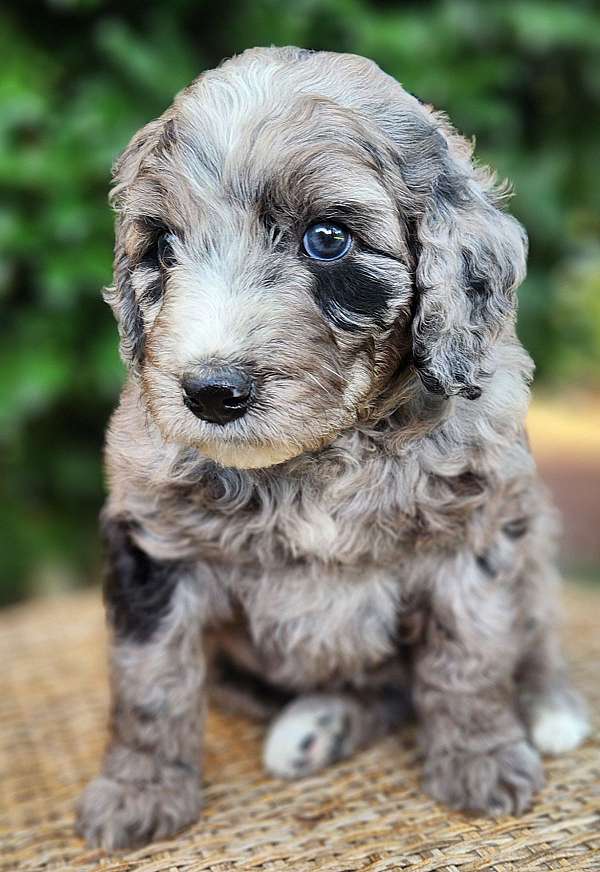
(220, 395)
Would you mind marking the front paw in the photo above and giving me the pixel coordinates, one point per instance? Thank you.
(502, 781)
(115, 814)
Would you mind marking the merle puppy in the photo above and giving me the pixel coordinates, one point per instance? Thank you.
(322, 505)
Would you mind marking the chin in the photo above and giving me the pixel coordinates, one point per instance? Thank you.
(253, 455)
(250, 456)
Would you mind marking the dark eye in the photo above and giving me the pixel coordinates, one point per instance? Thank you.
(326, 241)
(164, 251)
(159, 240)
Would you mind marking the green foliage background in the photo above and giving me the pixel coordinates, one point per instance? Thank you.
(78, 77)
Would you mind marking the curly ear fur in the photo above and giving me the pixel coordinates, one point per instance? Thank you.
(470, 257)
(121, 296)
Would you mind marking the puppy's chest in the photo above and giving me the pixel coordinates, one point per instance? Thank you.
(312, 625)
(317, 527)
(318, 573)
(324, 588)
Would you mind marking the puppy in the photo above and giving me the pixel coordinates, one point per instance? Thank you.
(322, 505)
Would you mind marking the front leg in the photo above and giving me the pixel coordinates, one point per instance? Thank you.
(150, 782)
(477, 757)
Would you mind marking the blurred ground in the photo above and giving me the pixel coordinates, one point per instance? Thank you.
(565, 437)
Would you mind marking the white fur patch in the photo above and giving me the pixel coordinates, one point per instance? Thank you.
(303, 740)
(557, 730)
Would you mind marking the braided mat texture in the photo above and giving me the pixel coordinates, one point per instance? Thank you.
(364, 814)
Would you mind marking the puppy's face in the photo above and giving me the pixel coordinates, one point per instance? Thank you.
(268, 251)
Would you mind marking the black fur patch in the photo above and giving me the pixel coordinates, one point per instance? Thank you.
(137, 589)
(450, 187)
(344, 289)
(228, 672)
(168, 137)
(427, 151)
(422, 362)
(478, 285)
(471, 392)
(474, 281)
(374, 154)
(264, 201)
(414, 247)
(155, 289)
(485, 563)
(131, 318)
(133, 322)
(416, 96)
(303, 54)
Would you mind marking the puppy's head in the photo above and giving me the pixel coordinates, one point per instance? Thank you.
(297, 236)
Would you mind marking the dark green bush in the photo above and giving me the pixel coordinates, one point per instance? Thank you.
(80, 76)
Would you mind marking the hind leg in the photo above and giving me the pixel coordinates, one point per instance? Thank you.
(316, 730)
(554, 712)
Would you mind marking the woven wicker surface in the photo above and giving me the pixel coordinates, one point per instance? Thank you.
(367, 813)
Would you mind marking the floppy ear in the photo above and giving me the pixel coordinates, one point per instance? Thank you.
(470, 257)
(121, 296)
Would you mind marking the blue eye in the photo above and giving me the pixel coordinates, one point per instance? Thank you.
(326, 241)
